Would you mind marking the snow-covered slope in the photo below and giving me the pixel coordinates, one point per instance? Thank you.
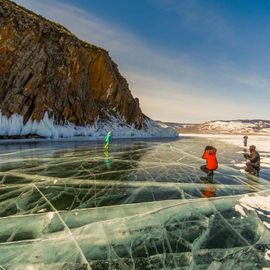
(14, 126)
(230, 127)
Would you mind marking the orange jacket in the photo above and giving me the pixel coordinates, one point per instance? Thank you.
(211, 160)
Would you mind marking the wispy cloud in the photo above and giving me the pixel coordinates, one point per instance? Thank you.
(129, 51)
(160, 98)
(252, 81)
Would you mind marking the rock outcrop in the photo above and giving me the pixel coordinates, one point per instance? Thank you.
(45, 69)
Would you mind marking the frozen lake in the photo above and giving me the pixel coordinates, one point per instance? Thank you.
(143, 205)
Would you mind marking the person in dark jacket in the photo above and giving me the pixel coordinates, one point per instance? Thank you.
(245, 138)
(211, 160)
(253, 163)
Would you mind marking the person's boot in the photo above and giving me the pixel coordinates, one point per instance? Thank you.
(208, 179)
(204, 179)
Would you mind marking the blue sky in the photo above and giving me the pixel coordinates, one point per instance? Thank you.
(186, 60)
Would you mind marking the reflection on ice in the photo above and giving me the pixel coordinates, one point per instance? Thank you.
(144, 205)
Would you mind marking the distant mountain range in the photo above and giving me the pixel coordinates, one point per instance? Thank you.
(257, 126)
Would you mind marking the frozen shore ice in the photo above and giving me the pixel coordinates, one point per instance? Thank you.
(14, 126)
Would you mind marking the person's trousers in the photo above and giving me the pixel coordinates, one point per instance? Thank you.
(107, 145)
(206, 170)
(252, 169)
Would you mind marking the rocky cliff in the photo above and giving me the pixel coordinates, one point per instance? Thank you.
(45, 68)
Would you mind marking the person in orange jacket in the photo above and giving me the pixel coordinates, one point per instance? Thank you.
(211, 160)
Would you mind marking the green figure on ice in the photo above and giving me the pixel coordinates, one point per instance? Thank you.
(108, 139)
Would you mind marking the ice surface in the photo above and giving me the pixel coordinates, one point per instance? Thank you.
(143, 205)
(46, 128)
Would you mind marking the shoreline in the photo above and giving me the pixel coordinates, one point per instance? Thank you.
(83, 139)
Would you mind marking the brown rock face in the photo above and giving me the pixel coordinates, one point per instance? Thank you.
(45, 68)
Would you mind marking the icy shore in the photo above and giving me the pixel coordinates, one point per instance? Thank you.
(46, 128)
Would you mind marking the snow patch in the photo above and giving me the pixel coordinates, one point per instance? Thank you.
(240, 209)
(109, 91)
(265, 162)
(239, 165)
(256, 202)
(50, 215)
(267, 225)
(267, 256)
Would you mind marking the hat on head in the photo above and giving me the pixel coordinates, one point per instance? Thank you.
(252, 147)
